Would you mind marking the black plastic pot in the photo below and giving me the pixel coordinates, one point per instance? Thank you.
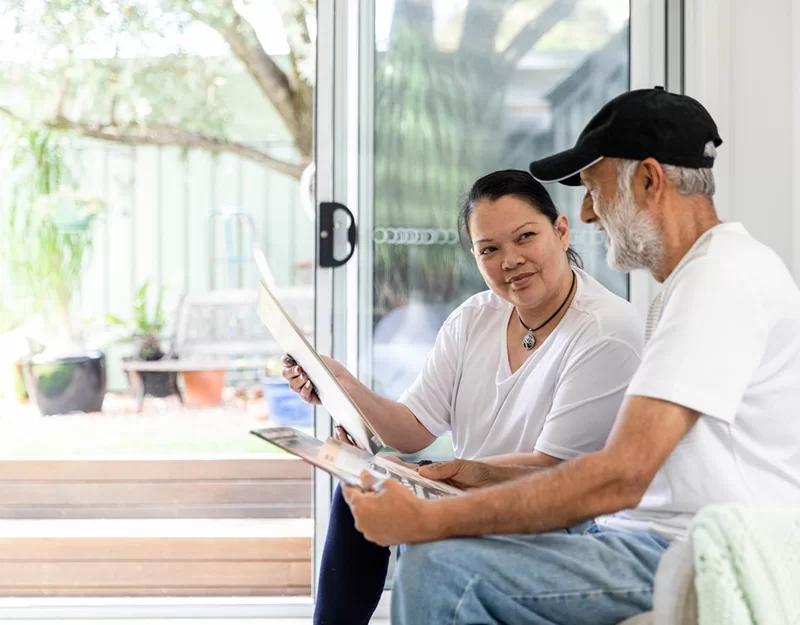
(64, 385)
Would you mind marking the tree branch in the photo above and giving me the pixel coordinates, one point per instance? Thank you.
(536, 29)
(293, 16)
(416, 15)
(481, 23)
(9, 113)
(168, 134)
(273, 81)
(62, 96)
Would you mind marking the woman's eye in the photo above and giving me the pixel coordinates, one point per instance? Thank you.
(486, 250)
(526, 235)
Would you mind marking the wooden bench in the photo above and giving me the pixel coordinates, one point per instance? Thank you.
(221, 331)
(150, 527)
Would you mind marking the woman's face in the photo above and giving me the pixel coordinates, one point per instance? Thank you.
(520, 254)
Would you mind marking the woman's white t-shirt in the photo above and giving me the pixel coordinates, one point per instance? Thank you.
(562, 401)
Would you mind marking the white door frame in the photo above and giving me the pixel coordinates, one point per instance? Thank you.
(648, 67)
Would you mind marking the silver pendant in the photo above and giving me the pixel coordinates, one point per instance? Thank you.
(529, 341)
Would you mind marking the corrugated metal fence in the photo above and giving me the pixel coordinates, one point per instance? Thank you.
(157, 224)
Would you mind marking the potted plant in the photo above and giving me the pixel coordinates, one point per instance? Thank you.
(14, 348)
(146, 332)
(51, 225)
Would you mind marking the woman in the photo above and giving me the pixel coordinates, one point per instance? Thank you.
(530, 372)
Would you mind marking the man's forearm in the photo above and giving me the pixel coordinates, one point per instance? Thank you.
(541, 501)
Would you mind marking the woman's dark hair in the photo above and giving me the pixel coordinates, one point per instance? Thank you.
(509, 182)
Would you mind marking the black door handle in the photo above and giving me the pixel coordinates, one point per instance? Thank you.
(325, 236)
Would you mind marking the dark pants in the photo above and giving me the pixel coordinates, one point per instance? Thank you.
(352, 573)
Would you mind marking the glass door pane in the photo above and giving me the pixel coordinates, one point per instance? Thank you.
(461, 89)
(192, 124)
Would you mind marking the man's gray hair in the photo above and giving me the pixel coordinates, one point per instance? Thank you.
(687, 181)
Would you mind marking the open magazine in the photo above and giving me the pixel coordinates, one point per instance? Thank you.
(335, 399)
(347, 462)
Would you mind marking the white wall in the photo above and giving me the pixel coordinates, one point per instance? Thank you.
(743, 63)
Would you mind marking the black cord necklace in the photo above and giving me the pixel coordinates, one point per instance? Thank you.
(529, 342)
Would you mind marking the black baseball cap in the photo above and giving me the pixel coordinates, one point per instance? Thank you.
(671, 128)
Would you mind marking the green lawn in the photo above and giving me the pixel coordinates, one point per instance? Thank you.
(165, 428)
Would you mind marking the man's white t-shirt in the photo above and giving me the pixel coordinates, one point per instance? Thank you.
(562, 401)
(723, 338)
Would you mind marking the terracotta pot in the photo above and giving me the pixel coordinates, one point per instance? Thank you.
(203, 388)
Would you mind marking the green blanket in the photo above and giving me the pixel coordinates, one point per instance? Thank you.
(747, 563)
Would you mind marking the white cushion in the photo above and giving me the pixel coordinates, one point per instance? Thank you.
(674, 598)
(645, 618)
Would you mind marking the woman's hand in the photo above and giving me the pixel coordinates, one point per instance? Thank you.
(300, 383)
(298, 380)
(465, 474)
(341, 435)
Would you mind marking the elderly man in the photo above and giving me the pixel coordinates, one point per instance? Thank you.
(710, 416)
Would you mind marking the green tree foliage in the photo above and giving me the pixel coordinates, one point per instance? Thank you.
(121, 71)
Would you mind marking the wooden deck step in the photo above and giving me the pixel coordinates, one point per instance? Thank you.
(262, 487)
(155, 557)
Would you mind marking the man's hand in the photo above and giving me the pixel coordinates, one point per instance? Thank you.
(387, 513)
(467, 474)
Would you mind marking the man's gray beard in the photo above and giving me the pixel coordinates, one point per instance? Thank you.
(634, 241)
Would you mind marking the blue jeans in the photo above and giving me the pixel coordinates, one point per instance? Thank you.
(353, 570)
(595, 578)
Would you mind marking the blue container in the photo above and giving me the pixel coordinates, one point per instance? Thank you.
(285, 406)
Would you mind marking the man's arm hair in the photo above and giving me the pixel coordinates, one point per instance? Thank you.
(602, 482)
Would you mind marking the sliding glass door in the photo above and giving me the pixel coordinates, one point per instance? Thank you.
(415, 100)
(451, 91)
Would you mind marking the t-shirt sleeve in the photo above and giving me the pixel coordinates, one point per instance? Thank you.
(430, 397)
(707, 344)
(587, 398)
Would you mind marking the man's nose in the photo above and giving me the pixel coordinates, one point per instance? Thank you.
(588, 215)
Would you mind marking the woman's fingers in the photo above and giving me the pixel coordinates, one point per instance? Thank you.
(290, 373)
(307, 390)
(341, 435)
(299, 382)
(296, 380)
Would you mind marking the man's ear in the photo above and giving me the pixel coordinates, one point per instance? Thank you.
(649, 183)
